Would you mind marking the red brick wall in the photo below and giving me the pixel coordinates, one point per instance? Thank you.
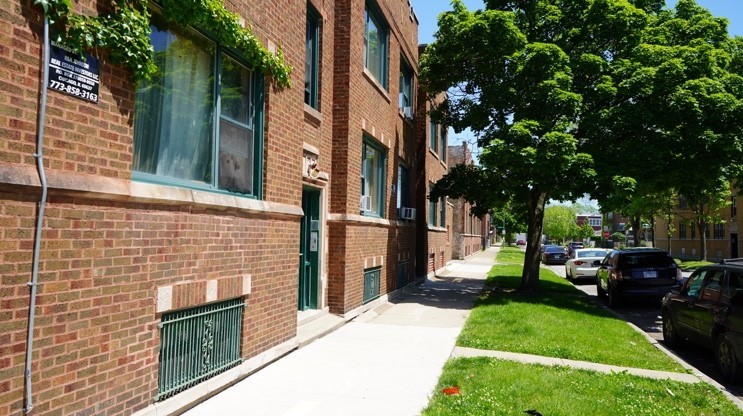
(363, 107)
(434, 240)
(96, 335)
(104, 255)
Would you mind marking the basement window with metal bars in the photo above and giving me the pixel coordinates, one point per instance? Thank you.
(198, 343)
(372, 279)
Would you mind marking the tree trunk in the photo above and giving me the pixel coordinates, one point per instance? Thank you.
(635, 220)
(535, 205)
(702, 225)
(652, 230)
(669, 227)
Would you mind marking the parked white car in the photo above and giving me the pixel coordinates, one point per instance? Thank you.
(581, 263)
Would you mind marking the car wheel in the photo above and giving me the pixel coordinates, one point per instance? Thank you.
(726, 360)
(600, 290)
(670, 333)
(567, 273)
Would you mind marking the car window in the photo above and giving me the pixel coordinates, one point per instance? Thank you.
(713, 285)
(734, 285)
(597, 253)
(645, 260)
(694, 284)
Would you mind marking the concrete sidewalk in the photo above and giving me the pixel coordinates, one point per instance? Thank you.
(389, 359)
(386, 361)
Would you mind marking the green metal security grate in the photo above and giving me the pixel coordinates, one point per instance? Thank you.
(198, 343)
(372, 279)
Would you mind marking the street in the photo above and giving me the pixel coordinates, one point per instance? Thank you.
(646, 316)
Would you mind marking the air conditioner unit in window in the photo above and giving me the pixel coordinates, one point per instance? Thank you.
(365, 203)
(408, 111)
(407, 213)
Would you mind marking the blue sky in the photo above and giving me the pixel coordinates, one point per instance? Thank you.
(427, 10)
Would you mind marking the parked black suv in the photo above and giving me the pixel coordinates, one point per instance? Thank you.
(708, 310)
(574, 245)
(637, 272)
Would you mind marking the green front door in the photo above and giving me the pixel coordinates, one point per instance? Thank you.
(309, 249)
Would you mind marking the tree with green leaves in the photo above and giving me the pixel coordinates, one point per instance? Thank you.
(524, 76)
(559, 222)
(675, 123)
(585, 231)
(506, 215)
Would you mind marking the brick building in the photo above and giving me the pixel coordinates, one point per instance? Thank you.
(434, 218)
(470, 234)
(186, 233)
(375, 76)
(684, 239)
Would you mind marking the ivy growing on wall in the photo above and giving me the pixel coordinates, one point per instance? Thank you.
(125, 33)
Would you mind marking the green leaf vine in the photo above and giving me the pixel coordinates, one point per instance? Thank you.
(125, 33)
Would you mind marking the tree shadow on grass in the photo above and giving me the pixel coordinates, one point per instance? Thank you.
(504, 281)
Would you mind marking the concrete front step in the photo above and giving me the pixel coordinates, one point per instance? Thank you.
(311, 327)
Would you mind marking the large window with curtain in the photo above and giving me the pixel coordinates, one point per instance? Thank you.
(198, 121)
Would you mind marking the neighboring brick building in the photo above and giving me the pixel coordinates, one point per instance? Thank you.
(470, 234)
(374, 143)
(433, 250)
(169, 208)
(685, 242)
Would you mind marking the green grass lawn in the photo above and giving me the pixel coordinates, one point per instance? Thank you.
(559, 321)
(495, 387)
(691, 264)
(510, 255)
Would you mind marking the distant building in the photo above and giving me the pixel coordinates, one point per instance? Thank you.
(594, 220)
(684, 239)
(470, 234)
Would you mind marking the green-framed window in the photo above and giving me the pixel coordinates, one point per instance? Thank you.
(444, 144)
(375, 43)
(442, 212)
(405, 101)
(433, 136)
(403, 186)
(198, 123)
(432, 208)
(372, 280)
(312, 59)
(373, 168)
